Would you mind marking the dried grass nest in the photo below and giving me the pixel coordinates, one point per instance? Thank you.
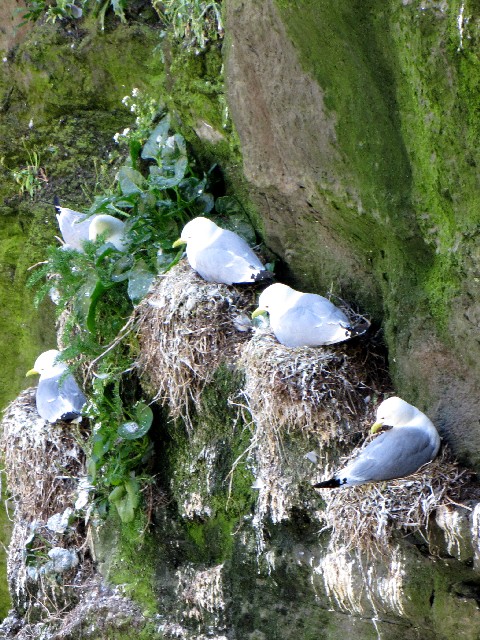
(43, 461)
(186, 328)
(299, 399)
(366, 517)
(326, 391)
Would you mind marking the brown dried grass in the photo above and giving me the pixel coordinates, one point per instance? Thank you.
(325, 390)
(42, 461)
(186, 328)
(302, 398)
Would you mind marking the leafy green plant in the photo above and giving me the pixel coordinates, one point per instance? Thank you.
(156, 191)
(195, 21)
(52, 11)
(31, 177)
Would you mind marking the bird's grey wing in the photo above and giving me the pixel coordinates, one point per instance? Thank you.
(73, 227)
(219, 265)
(71, 393)
(393, 454)
(324, 309)
(301, 325)
(230, 241)
(58, 397)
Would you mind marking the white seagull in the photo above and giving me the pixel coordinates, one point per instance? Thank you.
(58, 395)
(411, 442)
(302, 319)
(219, 255)
(76, 228)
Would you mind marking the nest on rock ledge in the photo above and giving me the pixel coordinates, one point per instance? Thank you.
(43, 464)
(324, 390)
(320, 398)
(187, 327)
(366, 517)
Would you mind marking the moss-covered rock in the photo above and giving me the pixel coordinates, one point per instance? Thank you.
(356, 123)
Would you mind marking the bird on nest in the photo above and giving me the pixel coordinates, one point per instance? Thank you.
(302, 319)
(58, 395)
(220, 255)
(411, 442)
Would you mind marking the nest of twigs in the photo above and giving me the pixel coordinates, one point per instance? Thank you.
(186, 328)
(366, 517)
(42, 461)
(324, 390)
(304, 398)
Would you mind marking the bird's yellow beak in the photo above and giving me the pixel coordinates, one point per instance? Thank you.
(178, 243)
(32, 372)
(376, 427)
(259, 312)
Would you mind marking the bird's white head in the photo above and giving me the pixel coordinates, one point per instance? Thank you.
(394, 412)
(113, 228)
(272, 297)
(46, 362)
(200, 226)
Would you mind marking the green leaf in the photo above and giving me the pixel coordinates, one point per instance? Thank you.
(91, 470)
(125, 510)
(139, 280)
(143, 415)
(126, 498)
(130, 180)
(95, 296)
(156, 140)
(117, 494)
(133, 491)
(137, 428)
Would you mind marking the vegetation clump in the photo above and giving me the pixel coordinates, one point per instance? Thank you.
(96, 290)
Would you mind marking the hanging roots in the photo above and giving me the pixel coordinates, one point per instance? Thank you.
(187, 327)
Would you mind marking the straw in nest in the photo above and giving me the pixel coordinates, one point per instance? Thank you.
(322, 396)
(187, 327)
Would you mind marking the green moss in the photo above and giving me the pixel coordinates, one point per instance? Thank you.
(405, 132)
(443, 600)
(220, 480)
(128, 555)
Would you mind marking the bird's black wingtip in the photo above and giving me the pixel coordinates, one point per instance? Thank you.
(359, 329)
(333, 483)
(264, 276)
(56, 203)
(69, 416)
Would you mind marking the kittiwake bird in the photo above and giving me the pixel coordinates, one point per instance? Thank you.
(302, 319)
(58, 395)
(411, 442)
(219, 255)
(76, 228)
(73, 226)
(113, 228)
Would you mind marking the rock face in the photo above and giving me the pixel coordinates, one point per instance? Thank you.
(357, 126)
(357, 130)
